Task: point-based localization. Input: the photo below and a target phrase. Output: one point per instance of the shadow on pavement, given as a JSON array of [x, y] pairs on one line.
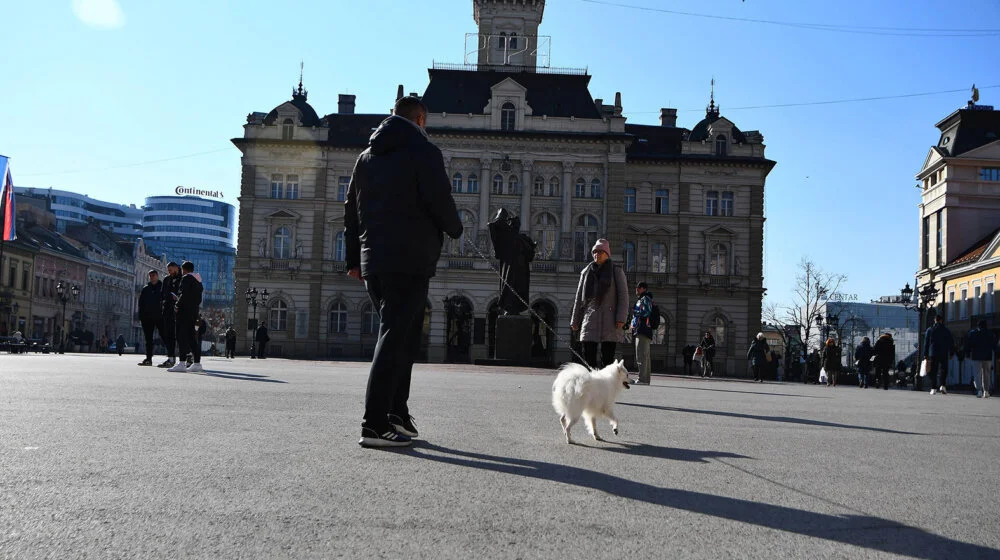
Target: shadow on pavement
[[743, 392], [785, 419], [866, 531], [669, 453], [242, 376]]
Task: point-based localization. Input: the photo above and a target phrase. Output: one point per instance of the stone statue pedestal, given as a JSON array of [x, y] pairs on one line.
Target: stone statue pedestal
[[513, 338]]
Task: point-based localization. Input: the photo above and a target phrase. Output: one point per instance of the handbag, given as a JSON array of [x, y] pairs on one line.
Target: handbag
[[822, 375], [924, 366]]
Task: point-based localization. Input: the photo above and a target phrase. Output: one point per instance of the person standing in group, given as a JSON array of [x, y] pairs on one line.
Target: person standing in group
[[600, 306], [863, 354], [151, 313], [261, 338], [979, 346], [885, 357], [939, 345], [831, 361], [398, 208], [708, 348], [757, 354], [644, 323], [188, 303], [230, 343], [171, 287]]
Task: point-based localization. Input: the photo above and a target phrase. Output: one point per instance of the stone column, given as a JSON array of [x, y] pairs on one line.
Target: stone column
[[484, 192], [567, 197], [526, 185]]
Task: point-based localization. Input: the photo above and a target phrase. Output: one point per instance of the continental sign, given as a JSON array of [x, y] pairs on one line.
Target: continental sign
[[198, 192]]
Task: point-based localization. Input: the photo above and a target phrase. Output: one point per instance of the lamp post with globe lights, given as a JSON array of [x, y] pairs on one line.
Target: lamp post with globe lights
[[65, 292], [925, 296], [252, 296]]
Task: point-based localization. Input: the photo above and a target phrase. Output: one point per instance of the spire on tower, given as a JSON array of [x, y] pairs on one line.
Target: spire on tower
[[712, 110], [300, 92]]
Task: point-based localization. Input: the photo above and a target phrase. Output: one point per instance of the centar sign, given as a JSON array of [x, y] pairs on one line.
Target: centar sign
[[189, 190]]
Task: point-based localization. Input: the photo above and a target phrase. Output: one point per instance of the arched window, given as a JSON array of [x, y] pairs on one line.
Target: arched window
[[369, 320], [720, 145], [546, 231], [585, 237], [554, 186], [282, 243], [661, 333], [513, 186], [629, 249], [502, 43], [658, 258], [718, 329], [292, 187], [287, 128], [498, 184], [473, 183], [277, 185], [338, 318], [539, 186], [338, 247], [508, 116], [718, 265], [513, 40], [581, 188], [279, 316], [595, 189], [456, 183]]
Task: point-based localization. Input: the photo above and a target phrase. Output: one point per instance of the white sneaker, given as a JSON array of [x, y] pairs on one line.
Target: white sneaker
[[933, 391], [179, 367], [195, 368], [942, 390]]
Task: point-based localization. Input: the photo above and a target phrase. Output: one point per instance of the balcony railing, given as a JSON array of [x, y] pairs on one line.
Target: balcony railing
[[719, 281], [460, 264], [543, 266]]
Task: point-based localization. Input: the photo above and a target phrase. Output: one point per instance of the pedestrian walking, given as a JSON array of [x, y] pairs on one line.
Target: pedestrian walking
[[188, 303], [979, 346], [863, 356], [261, 338], [120, 344], [940, 345], [708, 347], [831, 361], [600, 306], [758, 355], [688, 354], [645, 320], [151, 313], [885, 357], [171, 289], [230, 343], [399, 206]]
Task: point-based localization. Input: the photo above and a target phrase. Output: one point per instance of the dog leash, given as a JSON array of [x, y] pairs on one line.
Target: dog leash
[[527, 305]]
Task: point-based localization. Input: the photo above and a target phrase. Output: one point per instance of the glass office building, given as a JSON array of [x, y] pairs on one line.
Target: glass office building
[[72, 208], [200, 230]]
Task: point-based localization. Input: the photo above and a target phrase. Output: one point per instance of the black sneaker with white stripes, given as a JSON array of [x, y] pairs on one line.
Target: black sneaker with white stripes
[[404, 426], [386, 438]]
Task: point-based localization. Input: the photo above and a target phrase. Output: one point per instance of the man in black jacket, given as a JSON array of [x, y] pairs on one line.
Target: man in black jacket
[[398, 206], [171, 289], [188, 302], [151, 313], [939, 345]]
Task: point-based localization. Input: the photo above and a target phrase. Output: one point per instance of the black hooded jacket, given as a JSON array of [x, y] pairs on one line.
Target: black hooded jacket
[[150, 299], [399, 203]]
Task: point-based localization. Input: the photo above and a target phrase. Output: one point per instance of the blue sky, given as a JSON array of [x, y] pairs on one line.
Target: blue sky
[[95, 85]]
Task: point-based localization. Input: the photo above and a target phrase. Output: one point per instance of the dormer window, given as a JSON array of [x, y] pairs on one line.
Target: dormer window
[[286, 129], [720, 145], [502, 42], [508, 116]]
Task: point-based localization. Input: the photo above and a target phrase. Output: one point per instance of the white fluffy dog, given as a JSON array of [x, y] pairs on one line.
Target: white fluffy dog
[[579, 391]]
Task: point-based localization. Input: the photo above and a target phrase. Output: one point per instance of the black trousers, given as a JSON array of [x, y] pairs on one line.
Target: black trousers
[[147, 331], [400, 300], [187, 339], [939, 371], [758, 374], [230, 350], [607, 353], [882, 376], [261, 349], [168, 332]]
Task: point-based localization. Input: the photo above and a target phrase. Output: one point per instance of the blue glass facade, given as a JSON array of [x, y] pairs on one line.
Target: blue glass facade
[[200, 230]]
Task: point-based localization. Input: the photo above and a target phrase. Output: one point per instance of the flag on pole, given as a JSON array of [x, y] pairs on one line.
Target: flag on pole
[[7, 214]]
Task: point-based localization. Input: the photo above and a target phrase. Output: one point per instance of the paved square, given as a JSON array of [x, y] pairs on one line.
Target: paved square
[[103, 459]]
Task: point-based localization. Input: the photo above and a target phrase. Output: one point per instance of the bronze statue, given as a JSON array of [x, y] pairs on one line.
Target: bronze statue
[[514, 251]]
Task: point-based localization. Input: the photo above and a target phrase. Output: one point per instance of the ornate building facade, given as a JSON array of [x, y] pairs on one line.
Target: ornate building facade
[[683, 208]]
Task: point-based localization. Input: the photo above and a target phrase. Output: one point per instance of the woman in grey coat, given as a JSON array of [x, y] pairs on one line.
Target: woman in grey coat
[[601, 306]]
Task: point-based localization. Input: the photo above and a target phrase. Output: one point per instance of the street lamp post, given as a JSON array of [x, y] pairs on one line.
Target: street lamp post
[[65, 292], [252, 295], [925, 296]]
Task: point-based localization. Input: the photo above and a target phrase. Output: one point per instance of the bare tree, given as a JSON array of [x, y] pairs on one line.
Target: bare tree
[[813, 289]]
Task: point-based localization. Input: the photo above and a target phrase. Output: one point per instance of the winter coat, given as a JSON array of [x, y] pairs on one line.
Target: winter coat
[[230, 338], [831, 358], [641, 313], [885, 352], [688, 353], [708, 346], [261, 334], [398, 203], [171, 289], [150, 303], [596, 321], [189, 298], [863, 354], [980, 344], [938, 341], [757, 353]]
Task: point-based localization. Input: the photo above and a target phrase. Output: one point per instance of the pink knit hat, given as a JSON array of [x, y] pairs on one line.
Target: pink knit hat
[[602, 245]]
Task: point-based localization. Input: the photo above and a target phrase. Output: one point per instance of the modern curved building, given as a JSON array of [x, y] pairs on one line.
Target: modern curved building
[[196, 229], [73, 208]]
